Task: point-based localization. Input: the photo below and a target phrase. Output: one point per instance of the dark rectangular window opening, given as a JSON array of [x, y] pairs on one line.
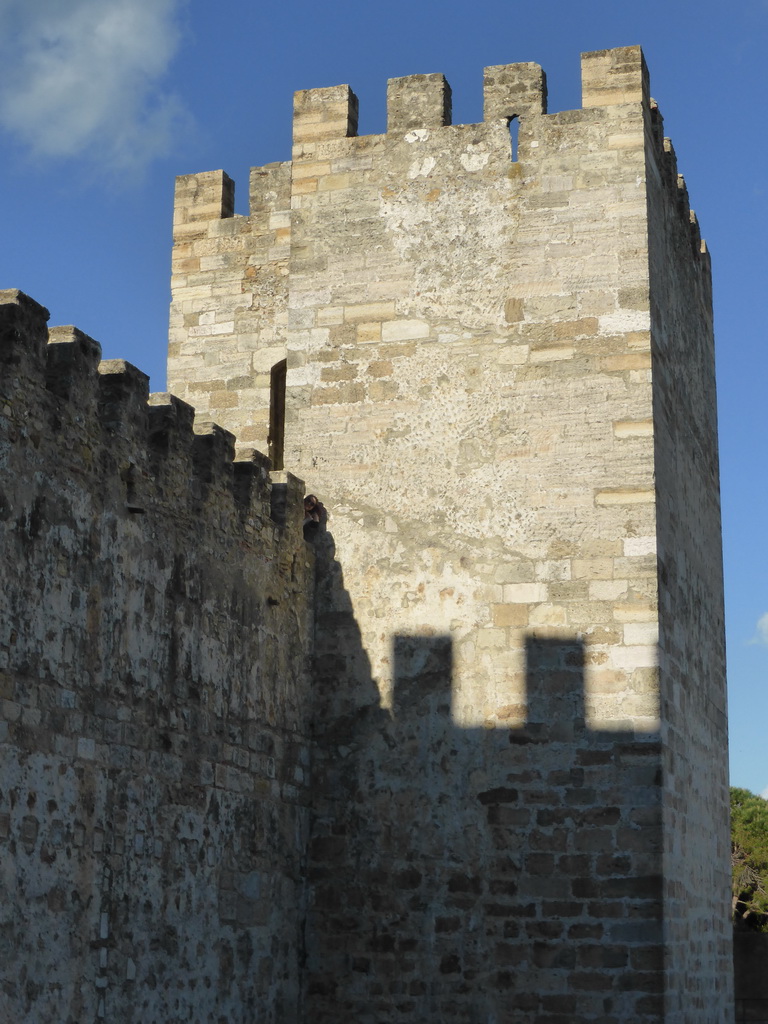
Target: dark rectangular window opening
[[514, 132], [276, 439]]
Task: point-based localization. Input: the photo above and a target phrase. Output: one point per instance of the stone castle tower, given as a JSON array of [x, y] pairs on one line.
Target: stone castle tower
[[500, 381], [478, 776]]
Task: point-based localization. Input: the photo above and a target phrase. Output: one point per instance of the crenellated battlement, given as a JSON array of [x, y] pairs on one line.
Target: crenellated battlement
[[609, 78], [514, 90], [153, 442], [330, 158], [244, 287]]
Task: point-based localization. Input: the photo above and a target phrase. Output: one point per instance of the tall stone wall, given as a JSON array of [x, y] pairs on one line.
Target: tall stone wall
[[697, 875], [154, 754], [228, 318], [519, 682], [474, 353]]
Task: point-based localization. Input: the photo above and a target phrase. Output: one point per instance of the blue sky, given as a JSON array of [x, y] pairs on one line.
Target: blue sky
[[103, 102]]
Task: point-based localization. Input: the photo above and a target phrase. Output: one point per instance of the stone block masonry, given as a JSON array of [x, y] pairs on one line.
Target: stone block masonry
[[155, 635], [461, 760], [500, 380]]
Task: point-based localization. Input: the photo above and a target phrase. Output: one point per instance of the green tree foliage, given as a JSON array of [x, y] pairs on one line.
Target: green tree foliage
[[749, 859]]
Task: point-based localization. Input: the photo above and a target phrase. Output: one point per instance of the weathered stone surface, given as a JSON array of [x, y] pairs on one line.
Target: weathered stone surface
[[500, 382], [154, 751]]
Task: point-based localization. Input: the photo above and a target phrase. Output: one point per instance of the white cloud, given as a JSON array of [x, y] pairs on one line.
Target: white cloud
[[764, 793], [85, 78], [761, 631]]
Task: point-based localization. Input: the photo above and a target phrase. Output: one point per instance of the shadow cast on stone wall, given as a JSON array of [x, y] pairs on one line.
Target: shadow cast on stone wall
[[469, 874]]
